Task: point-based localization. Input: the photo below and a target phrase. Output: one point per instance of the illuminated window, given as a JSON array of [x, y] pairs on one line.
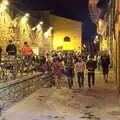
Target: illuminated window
[[67, 39]]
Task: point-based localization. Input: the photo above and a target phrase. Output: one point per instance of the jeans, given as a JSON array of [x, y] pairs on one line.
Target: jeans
[[80, 76], [70, 82], [91, 79]]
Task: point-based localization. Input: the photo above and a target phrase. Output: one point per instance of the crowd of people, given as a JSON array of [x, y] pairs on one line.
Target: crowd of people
[[71, 64], [65, 63]]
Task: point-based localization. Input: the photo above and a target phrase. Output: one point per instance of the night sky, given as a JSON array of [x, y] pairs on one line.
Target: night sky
[[73, 9]]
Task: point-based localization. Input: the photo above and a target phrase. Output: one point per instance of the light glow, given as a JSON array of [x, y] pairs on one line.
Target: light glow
[[25, 30], [84, 46], [6, 33], [104, 45], [2, 8], [96, 37], [102, 25], [46, 34], [5, 2], [95, 42], [27, 14], [41, 22], [33, 28], [50, 28], [24, 19], [39, 28]]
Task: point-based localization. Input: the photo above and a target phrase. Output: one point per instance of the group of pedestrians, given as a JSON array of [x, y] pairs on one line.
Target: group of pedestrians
[[68, 64], [71, 64]]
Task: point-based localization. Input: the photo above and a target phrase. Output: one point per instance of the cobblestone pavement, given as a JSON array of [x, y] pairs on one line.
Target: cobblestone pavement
[[99, 103]]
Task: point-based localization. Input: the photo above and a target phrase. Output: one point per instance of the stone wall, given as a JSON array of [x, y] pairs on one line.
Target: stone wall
[[14, 91]]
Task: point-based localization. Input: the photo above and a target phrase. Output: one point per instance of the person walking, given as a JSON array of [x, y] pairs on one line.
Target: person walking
[[57, 72], [91, 66], [69, 71], [105, 62], [80, 68]]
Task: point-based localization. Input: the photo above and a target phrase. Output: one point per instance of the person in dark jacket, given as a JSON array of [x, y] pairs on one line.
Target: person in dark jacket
[[105, 62], [11, 49], [91, 66]]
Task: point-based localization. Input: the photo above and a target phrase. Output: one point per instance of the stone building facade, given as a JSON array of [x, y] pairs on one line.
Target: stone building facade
[[67, 33]]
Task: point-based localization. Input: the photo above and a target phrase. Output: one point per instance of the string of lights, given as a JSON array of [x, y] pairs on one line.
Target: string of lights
[[20, 20]]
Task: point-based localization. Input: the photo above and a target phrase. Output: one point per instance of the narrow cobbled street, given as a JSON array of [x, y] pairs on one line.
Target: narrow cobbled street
[[99, 103]]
